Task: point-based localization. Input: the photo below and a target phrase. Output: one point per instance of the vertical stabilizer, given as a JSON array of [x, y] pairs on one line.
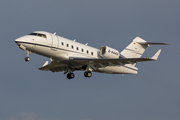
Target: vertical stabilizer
[[134, 49]]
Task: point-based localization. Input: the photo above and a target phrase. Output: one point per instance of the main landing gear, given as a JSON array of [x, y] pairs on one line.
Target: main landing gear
[[87, 74], [70, 75]]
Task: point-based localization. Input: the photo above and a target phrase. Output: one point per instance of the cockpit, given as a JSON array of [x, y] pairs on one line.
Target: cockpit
[[38, 34]]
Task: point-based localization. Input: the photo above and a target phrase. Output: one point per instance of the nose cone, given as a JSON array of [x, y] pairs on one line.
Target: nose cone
[[17, 41], [21, 40]]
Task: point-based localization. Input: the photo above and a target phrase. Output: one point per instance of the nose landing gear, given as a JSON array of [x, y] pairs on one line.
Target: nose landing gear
[[27, 58]]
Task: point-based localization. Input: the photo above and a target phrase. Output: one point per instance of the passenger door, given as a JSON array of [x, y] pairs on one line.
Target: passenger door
[[55, 42]]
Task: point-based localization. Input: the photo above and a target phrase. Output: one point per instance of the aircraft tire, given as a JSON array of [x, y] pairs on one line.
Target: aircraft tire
[[87, 74], [70, 75], [27, 59]]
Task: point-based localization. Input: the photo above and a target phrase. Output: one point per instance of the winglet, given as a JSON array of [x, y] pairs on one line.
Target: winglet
[[155, 57], [46, 63]]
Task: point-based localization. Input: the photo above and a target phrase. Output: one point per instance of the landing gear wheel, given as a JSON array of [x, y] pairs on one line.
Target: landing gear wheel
[[88, 74], [85, 74], [27, 59], [70, 75]]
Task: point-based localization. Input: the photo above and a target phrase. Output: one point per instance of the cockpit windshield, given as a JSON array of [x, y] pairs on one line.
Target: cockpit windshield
[[38, 34]]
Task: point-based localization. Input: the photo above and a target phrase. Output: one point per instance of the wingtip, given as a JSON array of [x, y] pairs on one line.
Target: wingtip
[[46, 63]]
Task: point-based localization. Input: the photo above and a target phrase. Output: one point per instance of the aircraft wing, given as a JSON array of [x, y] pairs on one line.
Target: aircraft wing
[[94, 62], [109, 60], [53, 66], [115, 60]]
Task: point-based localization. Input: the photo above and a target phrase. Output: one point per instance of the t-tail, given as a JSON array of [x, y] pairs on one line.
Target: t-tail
[[137, 47]]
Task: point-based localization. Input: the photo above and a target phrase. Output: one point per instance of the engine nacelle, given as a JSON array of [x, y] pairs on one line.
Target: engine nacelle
[[107, 52]]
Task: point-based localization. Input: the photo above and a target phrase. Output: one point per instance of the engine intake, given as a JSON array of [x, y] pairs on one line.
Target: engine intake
[[107, 52]]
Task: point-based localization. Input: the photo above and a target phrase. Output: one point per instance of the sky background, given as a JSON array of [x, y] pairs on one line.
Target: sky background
[[29, 94]]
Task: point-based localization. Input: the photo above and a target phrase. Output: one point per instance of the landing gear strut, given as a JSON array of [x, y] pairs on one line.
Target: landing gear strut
[[27, 58], [87, 74], [70, 75]]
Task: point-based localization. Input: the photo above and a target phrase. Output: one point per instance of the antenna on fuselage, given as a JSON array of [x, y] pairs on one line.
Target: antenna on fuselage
[[55, 33], [86, 44], [74, 40]]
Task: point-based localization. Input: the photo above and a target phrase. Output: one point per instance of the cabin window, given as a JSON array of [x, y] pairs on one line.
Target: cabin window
[[77, 48], [82, 50], [38, 34], [91, 53], [72, 46], [87, 51], [67, 45], [62, 43]]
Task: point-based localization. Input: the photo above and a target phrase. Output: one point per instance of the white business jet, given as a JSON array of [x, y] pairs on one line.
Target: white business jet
[[69, 56]]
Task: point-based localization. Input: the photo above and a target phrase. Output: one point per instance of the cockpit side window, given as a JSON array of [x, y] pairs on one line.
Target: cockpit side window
[[35, 34], [41, 35], [38, 34]]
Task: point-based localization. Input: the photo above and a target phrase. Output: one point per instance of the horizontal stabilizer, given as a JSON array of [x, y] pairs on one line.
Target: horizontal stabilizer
[[152, 43], [155, 57]]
